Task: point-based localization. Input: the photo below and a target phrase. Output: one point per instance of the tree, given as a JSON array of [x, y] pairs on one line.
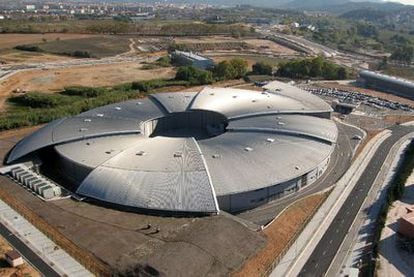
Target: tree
[[232, 69], [194, 75], [342, 74], [404, 54], [262, 68], [240, 67], [315, 67]]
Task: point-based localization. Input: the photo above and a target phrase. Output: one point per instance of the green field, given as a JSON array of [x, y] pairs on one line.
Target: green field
[[403, 72], [273, 61], [97, 46]]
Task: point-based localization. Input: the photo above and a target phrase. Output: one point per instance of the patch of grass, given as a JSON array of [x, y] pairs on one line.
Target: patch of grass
[[99, 47], [403, 72], [36, 108]]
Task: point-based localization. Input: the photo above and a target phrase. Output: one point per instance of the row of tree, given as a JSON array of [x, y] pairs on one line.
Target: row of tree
[[238, 68], [312, 68], [225, 70]]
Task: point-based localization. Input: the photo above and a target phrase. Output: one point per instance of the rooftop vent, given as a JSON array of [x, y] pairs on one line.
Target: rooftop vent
[[178, 154], [141, 153], [254, 101], [211, 94], [83, 129], [234, 96], [215, 156], [297, 167], [248, 149]]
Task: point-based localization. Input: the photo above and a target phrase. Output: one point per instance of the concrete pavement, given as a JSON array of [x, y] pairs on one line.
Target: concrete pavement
[[300, 251], [38, 249], [358, 241], [323, 254]]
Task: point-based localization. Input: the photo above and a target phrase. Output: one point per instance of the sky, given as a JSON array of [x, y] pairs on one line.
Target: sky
[[407, 2]]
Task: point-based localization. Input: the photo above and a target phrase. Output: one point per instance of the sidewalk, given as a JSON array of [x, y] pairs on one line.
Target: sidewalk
[[52, 254], [299, 252]]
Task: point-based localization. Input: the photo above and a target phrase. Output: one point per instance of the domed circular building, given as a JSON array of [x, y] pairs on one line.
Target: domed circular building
[[189, 152]]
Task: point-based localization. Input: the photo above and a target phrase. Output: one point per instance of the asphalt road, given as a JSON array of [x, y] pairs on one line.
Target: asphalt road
[[27, 253], [321, 258], [339, 164]]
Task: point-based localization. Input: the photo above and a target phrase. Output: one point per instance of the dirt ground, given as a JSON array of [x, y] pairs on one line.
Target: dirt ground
[[270, 46], [12, 40], [249, 58], [258, 44], [99, 75], [7, 271], [278, 235], [20, 57]]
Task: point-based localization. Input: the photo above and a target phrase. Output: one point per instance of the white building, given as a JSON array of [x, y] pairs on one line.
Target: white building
[[14, 258], [30, 7]]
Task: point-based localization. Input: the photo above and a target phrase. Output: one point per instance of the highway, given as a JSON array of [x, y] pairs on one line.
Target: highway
[[27, 253], [322, 256]]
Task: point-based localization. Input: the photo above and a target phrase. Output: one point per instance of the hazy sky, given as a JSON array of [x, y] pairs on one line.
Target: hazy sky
[[409, 2]]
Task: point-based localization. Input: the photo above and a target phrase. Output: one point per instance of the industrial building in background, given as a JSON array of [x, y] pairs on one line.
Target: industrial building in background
[[386, 83], [187, 152], [189, 58]]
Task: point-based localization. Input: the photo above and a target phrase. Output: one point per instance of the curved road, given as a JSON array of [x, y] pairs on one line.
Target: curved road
[[322, 256]]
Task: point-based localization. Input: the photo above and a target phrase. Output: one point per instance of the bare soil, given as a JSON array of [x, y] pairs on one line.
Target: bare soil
[[258, 44], [12, 40], [279, 233], [93, 76], [21, 57], [269, 46]]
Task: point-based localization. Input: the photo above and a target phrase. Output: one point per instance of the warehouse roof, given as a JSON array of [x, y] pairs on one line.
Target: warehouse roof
[[388, 78]]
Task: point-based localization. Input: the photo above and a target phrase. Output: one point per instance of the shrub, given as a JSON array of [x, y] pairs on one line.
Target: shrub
[[232, 69], [29, 48], [81, 54], [261, 68], [194, 75], [313, 67], [84, 91], [40, 100]]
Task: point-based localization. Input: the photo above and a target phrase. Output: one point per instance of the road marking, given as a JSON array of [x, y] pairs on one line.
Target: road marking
[[324, 252], [330, 242], [316, 265]]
